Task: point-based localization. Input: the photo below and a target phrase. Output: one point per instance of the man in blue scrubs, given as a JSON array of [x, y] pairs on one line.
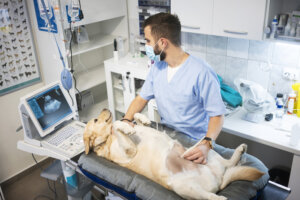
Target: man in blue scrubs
[[186, 89]]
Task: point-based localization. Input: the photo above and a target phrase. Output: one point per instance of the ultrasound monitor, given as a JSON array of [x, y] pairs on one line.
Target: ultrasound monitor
[[48, 108]]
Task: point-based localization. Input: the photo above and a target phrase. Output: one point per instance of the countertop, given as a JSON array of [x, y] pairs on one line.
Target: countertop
[[264, 132]]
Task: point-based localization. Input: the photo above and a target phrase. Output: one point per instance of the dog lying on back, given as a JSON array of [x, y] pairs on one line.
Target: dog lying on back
[[155, 155]]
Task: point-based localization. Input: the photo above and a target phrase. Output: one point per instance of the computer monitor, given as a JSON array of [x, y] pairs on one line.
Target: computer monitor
[[48, 108]]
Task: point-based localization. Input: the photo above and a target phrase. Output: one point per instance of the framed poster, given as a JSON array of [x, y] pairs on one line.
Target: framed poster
[[19, 66]]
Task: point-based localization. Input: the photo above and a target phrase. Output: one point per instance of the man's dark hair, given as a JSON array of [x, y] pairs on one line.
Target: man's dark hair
[[165, 25]]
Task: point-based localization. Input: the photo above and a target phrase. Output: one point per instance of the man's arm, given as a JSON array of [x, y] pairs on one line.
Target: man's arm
[[199, 153], [215, 126], [137, 105]]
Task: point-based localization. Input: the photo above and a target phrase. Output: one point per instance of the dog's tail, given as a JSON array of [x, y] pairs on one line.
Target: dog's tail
[[240, 173]]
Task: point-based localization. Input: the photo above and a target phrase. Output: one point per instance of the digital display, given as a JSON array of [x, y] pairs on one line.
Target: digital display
[[49, 107]]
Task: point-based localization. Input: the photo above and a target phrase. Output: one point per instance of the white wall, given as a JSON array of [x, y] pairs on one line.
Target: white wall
[[12, 160]]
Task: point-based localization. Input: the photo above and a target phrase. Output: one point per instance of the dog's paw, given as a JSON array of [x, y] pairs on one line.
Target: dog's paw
[[242, 148], [124, 128], [141, 119]]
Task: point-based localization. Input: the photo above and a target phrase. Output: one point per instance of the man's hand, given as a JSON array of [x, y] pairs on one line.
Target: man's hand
[[199, 153]]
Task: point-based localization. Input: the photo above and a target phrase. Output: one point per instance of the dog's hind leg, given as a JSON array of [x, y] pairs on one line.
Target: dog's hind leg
[[235, 158], [141, 119], [240, 173]]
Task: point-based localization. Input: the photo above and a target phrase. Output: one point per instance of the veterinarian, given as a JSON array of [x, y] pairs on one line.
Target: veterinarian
[[186, 88]]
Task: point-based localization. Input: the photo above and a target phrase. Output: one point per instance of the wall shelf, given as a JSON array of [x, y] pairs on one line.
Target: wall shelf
[[90, 78], [118, 87], [93, 111], [96, 42], [288, 38]]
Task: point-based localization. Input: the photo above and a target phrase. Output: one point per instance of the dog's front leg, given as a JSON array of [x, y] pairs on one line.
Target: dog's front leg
[[141, 119], [122, 130]]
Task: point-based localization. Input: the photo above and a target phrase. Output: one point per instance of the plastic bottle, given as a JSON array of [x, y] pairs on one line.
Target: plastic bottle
[[298, 30], [116, 53], [296, 88], [131, 43], [279, 104], [121, 49], [287, 28], [274, 28], [295, 136], [293, 28], [70, 176], [291, 103]]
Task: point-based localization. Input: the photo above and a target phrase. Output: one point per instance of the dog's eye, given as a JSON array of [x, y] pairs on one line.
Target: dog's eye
[[108, 117], [95, 120]]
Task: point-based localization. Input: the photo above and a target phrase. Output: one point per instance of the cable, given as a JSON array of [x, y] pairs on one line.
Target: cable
[[71, 97], [80, 13], [36, 162], [72, 70]]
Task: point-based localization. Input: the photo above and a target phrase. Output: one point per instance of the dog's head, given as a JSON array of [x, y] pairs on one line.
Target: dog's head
[[97, 131]]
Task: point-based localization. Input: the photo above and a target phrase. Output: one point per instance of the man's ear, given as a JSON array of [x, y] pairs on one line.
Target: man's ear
[[164, 43]]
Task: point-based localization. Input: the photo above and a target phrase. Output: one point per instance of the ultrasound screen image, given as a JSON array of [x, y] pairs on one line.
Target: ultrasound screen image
[[49, 107]]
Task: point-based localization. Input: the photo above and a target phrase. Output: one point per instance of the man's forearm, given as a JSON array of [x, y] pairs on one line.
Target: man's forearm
[[137, 105], [215, 126]]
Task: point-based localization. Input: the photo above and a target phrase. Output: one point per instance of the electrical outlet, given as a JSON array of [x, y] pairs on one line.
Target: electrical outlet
[[291, 73]]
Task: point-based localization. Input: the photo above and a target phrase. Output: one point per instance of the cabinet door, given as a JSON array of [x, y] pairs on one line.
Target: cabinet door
[[115, 92], [239, 18], [195, 15], [129, 92]]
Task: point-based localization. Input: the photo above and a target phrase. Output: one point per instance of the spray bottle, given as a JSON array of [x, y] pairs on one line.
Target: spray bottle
[[296, 88]]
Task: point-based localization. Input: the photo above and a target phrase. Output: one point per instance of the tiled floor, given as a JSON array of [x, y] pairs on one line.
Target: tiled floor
[[33, 187]]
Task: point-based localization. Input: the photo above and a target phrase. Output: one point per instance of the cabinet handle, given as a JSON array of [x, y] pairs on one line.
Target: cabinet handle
[[129, 81], [190, 27], [123, 85], [236, 32]]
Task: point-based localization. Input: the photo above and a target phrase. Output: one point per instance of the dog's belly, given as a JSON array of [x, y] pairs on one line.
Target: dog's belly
[[158, 158], [152, 150]]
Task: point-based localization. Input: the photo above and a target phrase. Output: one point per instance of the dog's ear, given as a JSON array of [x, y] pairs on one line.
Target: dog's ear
[[87, 144], [87, 136]]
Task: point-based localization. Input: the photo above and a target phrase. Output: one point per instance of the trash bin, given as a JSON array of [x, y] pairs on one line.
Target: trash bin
[[280, 175]]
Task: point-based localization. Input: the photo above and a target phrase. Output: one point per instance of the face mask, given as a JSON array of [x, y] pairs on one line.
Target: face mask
[[150, 52]]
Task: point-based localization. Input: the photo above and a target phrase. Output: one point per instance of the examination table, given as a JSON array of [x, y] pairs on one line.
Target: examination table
[[134, 186]]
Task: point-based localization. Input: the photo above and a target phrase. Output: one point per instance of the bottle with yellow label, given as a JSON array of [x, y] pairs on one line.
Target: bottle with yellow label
[[296, 88]]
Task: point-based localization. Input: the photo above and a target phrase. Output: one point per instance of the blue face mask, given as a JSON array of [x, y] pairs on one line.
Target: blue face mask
[[150, 53]]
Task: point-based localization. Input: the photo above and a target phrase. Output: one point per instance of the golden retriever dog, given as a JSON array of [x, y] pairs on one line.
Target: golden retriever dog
[[155, 155]]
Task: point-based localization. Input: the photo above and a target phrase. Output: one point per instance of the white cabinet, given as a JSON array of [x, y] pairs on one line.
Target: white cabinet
[[239, 18], [124, 80], [230, 18], [196, 16]]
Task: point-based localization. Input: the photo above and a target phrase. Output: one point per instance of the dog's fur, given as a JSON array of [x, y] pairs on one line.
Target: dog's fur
[[155, 155]]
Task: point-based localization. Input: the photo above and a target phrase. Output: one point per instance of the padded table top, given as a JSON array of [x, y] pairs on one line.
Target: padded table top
[[144, 188]]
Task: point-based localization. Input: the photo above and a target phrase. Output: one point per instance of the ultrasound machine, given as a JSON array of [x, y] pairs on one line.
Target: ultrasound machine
[[49, 124]]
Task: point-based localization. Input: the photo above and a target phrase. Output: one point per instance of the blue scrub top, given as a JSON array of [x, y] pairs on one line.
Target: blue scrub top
[[189, 99]]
